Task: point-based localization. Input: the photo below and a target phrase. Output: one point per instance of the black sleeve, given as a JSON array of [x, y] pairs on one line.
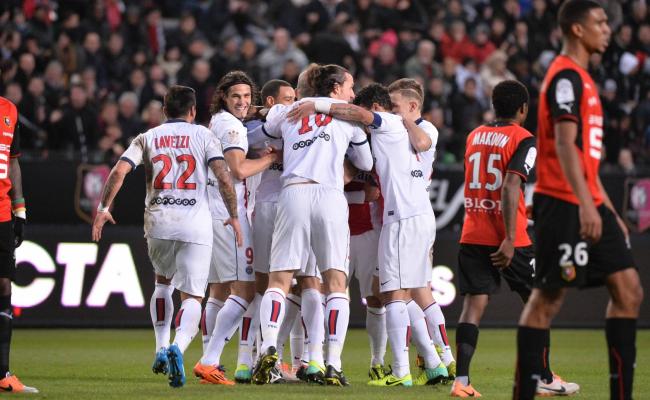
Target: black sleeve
[[523, 160], [564, 94], [14, 150]]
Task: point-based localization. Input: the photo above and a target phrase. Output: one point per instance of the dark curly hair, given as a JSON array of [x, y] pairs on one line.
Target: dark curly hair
[[508, 97], [322, 78], [373, 93], [229, 80]]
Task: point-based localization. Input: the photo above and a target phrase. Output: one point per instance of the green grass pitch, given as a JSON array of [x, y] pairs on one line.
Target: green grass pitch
[[116, 364]]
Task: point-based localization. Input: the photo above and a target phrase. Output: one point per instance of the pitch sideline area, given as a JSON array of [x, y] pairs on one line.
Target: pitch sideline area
[[116, 364]]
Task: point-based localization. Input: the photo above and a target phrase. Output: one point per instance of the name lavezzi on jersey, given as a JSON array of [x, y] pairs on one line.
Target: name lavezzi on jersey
[[175, 156]]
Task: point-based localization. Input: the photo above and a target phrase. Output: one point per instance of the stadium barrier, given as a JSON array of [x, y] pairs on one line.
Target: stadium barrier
[[65, 280]]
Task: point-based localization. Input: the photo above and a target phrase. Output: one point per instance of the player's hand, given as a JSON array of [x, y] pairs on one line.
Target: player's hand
[[234, 222], [503, 256], [277, 153], [19, 231], [529, 211], [591, 225], [300, 111], [98, 224], [371, 191]]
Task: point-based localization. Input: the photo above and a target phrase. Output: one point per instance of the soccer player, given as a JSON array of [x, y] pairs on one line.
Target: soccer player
[[363, 197], [231, 279], [407, 97], [499, 158], [404, 158], [177, 224], [312, 215], [12, 229], [580, 239], [266, 196]]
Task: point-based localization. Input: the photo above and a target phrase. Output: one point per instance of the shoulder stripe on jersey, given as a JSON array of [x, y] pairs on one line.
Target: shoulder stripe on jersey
[[419, 121], [566, 117], [215, 158], [524, 178], [376, 121], [129, 161], [267, 134], [233, 148], [360, 143]]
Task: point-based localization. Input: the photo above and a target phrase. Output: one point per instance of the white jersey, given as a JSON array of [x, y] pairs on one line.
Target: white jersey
[[175, 157], [404, 175], [271, 181], [314, 148], [433, 134], [231, 132]]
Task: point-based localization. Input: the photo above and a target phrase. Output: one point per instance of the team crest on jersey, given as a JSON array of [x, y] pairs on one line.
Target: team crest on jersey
[[7, 121], [232, 137], [568, 272], [90, 181], [636, 206]]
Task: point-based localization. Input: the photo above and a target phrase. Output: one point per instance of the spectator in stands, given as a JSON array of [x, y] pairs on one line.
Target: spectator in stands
[[457, 44], [272, 60], [422, 64], [128, 117], [77, 127], [494, 71], [467, 113], [200, 81]]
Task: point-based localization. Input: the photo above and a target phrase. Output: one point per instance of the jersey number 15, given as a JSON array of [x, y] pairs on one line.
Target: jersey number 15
[[475, 159]]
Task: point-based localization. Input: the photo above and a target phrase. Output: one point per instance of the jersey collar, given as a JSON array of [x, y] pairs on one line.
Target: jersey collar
[[174, 120]]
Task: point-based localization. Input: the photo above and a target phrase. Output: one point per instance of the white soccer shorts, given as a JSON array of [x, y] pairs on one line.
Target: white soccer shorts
[[404, 248], [263, 224], [363, 259], [187, 264], [229, 262], [311, 217]]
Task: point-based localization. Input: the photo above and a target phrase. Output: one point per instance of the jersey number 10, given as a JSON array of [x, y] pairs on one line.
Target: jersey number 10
[[475, 159], [319, 120], [181, 183]]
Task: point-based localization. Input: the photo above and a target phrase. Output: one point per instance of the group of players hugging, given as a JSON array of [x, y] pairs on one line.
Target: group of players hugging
[[273, 208]]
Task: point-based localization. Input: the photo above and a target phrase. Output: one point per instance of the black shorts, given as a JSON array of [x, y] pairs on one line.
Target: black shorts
[[563, 258], [7, 258], [477, 275]]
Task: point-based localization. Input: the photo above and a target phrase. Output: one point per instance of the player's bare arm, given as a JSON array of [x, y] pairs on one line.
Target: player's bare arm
[[417, 136], [590, 221], [111, 188], [509, 203], [16, 195], [608, 203], [229, 196], [343, 111], [241, 167]]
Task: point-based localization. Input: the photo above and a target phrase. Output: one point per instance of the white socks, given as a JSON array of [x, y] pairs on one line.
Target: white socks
[[227, 322], [212, 308], [272, 309], [436, 323], [397, 326], [187, 323], [161, 308], [312, 317], [376, 327], [337, 312], [420, 335], [248, 327], [292, 307], [297, 340]]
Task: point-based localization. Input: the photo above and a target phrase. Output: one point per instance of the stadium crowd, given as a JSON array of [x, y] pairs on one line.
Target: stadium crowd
[[88, 76]]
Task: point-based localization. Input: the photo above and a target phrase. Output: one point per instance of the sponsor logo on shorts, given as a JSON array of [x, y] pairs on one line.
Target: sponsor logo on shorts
[[306, 143], [416, 173], [276, 167], [249, 270], [170, 201]]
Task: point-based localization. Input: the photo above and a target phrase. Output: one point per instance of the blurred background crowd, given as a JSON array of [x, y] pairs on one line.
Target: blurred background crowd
[[88, 76]]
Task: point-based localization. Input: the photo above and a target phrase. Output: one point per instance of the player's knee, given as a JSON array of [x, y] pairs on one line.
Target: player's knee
[[373, 301], [630, 299]]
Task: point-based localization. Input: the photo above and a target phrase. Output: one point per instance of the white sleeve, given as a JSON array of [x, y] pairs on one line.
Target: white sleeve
[[212, 148], [256, 136], [234, 137], [355, 197], [133, 155], [359, 150], [274, 119], [432, 132]]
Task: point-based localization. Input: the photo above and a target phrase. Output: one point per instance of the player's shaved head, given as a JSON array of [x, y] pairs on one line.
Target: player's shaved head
[[373, 94], [179, 101], [508, 97], [574, 12]]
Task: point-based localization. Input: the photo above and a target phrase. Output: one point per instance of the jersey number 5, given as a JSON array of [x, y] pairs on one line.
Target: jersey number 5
[[475, 159], [181, 183]]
